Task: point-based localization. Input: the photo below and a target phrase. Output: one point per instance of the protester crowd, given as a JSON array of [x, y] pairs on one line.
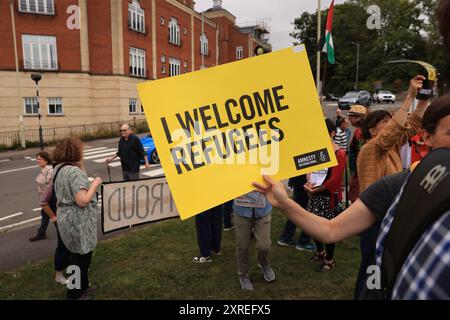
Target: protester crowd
[[380, 191]]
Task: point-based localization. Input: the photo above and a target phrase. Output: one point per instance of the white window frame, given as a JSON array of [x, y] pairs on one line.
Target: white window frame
[[46, 7], [174, 67], [136, 17], [132, 105], [240, 53], [174, 32], [204, 45], [137, 62], [56, 102], [33, 101], [39, 52]]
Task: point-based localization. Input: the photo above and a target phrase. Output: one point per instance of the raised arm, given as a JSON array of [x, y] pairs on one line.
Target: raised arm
[[352, 221]]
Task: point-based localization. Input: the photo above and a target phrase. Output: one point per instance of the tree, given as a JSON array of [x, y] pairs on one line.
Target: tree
[[405, 33]]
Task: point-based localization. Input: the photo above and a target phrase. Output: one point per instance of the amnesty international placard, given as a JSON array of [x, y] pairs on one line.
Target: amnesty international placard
[[217, 130], [130, 203]]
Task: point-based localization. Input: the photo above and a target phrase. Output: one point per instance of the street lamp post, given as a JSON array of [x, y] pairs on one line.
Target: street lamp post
[[357, 64], [36, 77]]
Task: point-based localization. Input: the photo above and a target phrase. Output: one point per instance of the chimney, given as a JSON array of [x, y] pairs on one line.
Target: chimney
[[217, 4]]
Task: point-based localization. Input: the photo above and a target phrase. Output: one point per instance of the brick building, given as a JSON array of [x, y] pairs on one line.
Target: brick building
[[92, 53]]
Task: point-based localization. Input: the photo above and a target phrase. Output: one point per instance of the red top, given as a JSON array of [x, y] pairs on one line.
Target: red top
[[334, 181], [418, 151]]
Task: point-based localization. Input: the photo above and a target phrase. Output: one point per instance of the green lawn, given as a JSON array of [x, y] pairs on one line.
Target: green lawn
[[155, 262]]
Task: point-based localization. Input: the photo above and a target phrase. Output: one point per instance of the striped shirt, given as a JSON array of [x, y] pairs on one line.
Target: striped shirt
[[341, 138]]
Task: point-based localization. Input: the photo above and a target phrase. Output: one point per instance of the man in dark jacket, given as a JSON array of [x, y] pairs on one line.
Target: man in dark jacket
[[131, 152]]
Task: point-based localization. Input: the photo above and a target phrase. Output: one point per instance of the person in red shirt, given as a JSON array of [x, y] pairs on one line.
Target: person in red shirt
[[418, 148], [326, 201]]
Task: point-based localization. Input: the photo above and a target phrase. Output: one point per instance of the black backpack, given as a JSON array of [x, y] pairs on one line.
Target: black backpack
[[53, 199], [426, 197]]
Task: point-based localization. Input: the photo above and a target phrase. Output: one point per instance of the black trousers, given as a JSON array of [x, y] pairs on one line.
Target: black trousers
[[209, 230], [83, 261], [62, 255]]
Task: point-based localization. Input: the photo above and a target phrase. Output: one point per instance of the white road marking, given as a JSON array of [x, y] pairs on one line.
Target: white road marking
[[36, 209], [98, 152], [154, 173], [100, 155], [5, 160], [19, 223], [13, 170], [11, 216], [95, 149]]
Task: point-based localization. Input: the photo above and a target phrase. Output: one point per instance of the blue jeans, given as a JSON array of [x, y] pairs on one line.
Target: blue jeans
[[227, 210], [300, 197], [209, 230]]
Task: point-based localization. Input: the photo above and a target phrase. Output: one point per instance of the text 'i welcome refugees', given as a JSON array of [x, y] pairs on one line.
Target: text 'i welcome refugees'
[[222, 142]]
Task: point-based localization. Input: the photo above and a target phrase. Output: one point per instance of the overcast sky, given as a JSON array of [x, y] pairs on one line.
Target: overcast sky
[[280, 14]]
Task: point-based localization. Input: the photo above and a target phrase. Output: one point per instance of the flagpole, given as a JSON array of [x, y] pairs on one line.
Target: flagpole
[[318, 50]]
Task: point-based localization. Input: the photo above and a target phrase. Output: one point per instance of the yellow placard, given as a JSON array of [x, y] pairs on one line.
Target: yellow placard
[[217, 130]]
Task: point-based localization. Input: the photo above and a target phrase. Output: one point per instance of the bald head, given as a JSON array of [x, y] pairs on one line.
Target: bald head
[[125, 130]]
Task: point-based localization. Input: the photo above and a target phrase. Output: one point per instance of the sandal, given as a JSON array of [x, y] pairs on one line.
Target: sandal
[[318, 256], [326, 266], [202, 259]]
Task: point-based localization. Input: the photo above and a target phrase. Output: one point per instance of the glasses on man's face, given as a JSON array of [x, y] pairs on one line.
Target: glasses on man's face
[[123, 130]]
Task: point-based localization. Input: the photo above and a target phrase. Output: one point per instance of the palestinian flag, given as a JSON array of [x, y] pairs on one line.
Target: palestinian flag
[[326, 43]]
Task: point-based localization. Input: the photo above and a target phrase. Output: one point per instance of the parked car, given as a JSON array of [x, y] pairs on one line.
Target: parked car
[[355, 97], [383, 96], [150, 149]]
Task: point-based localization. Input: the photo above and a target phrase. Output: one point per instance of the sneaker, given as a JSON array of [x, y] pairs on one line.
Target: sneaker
[[37, 238], [268, 273], [311, 247], [246, 284], [59, 278], [202, 259], [216, 252], [228, 228], [284, 243]]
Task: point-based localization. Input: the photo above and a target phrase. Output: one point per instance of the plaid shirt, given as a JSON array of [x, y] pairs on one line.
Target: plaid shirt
[[425, 275]]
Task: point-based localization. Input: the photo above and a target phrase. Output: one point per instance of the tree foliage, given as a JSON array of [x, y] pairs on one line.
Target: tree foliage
[[408, 31]]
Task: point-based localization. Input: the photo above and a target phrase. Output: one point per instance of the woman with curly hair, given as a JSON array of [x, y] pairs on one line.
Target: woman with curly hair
[[76, 208]]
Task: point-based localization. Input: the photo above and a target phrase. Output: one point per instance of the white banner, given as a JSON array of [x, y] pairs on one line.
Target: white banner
[[125, 204]]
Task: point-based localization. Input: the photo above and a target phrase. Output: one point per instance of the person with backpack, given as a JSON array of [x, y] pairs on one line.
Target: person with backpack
[[427, 261], [76, 208], [61, 260]]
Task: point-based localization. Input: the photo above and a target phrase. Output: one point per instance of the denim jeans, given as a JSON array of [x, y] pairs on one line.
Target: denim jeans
[[209, 230], [44, 224]]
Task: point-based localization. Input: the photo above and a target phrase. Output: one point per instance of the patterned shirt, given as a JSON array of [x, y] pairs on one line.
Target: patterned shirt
[[43, 179], [425, 275], [77, 226]]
